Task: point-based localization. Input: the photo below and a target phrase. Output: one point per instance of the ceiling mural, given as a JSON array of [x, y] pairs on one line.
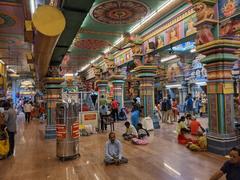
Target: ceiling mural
[[11, 19], [13, 41], [12, 1], [105, 23], [91, 44], [119, 12], [6, 21], [13, 49]]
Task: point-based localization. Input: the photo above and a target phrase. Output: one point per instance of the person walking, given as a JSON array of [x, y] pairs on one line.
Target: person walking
[[10, 118], [164, 109], [169, 112], [114, 105], [175, 110], [189, 104], [27, 110]]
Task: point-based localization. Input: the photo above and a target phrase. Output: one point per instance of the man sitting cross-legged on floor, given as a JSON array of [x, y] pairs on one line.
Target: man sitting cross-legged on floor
[[131, 131], [113, 151]]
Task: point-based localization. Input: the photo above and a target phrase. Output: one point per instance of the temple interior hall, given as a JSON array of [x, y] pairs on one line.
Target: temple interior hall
[[120, 89]]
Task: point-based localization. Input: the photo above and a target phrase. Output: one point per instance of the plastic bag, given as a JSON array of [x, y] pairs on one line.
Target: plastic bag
[[4, 146]]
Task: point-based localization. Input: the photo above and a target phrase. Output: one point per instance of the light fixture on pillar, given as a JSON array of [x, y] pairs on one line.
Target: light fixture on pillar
[[2, 62], [173, 86], [32, 6], [193, 50], [169, 58]]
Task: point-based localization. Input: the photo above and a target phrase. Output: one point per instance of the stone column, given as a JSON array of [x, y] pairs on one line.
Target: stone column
[[181, 100], [15, 89], [219, 61], [147, 74], [53, 95], [118, 87], [102, 88], [135, 87]]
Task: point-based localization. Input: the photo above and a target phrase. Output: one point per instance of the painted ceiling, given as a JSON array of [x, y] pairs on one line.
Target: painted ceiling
[[13, 49], [106, 21]]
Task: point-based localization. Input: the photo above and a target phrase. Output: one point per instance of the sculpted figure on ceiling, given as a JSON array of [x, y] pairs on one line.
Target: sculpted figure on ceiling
[[203, 11]]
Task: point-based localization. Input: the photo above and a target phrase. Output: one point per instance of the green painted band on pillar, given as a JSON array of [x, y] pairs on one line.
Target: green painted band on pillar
[[118, 81], [102, 85], [219, 57], [209, 110], [221, 113], [146, 75], [54, 86]]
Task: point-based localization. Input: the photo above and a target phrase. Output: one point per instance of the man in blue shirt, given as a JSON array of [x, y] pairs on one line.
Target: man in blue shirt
[[113, 151], [231, 167]]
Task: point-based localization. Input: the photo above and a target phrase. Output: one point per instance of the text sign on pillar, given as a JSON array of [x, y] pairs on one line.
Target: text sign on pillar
[[75, 130], [61, 131]]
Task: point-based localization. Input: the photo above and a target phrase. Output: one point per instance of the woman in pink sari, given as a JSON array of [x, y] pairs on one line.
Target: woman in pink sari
[[142, 136]]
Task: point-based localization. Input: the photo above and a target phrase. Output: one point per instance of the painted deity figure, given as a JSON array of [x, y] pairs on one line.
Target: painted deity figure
[[191, 28], [203, 11], [173, 35], [204, 35], [160, 42], [229, 8]]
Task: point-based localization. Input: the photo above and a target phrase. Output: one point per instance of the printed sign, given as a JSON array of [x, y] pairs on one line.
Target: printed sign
[[90, 117], [75, 130], [61, 131]]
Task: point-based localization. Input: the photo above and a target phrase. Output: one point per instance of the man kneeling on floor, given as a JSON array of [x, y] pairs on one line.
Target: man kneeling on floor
[[131, 131], [113, 151]]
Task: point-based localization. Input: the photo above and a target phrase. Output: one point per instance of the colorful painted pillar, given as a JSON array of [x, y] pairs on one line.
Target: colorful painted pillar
[[135, 85], [236, 73], [102, 86], [147, 74], [53, 89], [219, 60], [15, 89], [118, 87], [163, 79]]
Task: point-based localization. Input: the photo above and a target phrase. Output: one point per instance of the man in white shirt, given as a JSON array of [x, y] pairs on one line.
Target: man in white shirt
[[113, 151], [27, 109], [131, 131]]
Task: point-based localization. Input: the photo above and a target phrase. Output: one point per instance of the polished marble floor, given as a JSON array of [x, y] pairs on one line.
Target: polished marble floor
[[162, 159]]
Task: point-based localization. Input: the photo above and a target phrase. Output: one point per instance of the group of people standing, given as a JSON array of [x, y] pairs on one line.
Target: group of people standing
[[112, 110], [168, 108], [195, 106]]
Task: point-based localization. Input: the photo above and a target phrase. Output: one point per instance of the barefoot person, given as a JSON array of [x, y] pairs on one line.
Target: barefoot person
[[113, 151], [131, 131]]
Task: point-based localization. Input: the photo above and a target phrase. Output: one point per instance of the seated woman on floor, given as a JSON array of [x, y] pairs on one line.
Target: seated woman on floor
[[142, 136], [195, 127], [199, 145], [181, 125], [182, 139], [131, 131]]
